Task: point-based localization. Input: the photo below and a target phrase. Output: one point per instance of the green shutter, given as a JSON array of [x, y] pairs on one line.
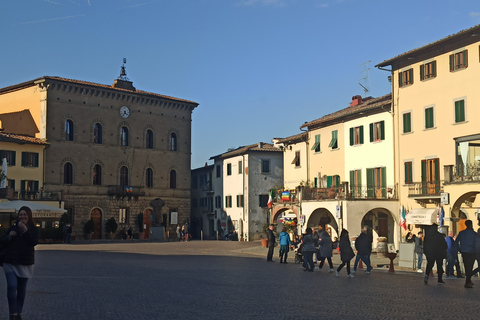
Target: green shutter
[[13, 159], [352, 180], [352, 141], [434, 68], [370, 183], [315, 182], [407, 123], [465, 58], [437, 175], [329, 181], [424, 176], [422, 72], [382, 130], [384, 182], [452, 62], [400, 84], [459, 111], [411, 75], [361, 134], [337, 181], [371, 132]]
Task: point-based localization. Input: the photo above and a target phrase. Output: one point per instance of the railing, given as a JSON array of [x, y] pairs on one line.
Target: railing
[[468, 172], [286, 196], [417, 189], [322, 193], [122, 191], [371, 192]]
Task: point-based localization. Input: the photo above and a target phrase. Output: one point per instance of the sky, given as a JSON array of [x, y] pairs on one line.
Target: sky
[[259, 69]]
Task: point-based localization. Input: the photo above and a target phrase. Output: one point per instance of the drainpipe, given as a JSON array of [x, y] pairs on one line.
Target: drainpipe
[[308, 171]]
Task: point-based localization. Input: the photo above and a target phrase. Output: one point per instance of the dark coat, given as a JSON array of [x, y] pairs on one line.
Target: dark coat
[[363, 243], [271, 238], [434, 245], [325, 245], [346, 251], [20, 249]]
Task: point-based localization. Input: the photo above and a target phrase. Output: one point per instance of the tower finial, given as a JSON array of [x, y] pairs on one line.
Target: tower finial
[[123, 71]]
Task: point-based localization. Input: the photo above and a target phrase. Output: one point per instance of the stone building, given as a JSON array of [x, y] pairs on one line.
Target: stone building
[[112, 149]]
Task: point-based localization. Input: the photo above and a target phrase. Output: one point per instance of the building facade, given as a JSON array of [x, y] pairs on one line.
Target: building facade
[[112, 149]]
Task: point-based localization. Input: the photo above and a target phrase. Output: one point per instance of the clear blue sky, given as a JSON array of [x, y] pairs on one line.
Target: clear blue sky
[[258, 68]]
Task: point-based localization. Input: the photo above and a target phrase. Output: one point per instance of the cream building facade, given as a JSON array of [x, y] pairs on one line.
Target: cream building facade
[[113, 149], [435, 96]]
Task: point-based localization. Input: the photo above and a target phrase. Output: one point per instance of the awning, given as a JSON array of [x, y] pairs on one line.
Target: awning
[[39, 210], [422, 216]]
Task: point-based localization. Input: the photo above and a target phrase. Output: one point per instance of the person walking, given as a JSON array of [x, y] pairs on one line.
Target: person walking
[[435, 249], [179, 233], [326, 250], [468, 243], [19, 240], [363, 244], [308, 250], [285, 243], [270, 243], [346, 253], [419, 251], [452, 253]]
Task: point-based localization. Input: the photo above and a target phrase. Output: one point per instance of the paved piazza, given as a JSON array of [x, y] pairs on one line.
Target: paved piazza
[[222, 280]]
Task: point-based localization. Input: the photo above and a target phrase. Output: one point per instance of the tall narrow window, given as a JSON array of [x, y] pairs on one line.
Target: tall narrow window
[[149, 139], [296, 160], [407, 122], [123, 176], [124, 136], [334, 142], [173, 141], [68, 173], [69, 130], [459, 111], [9, 155], [240, 167], [173, 179], [149, 178], [377, 131], [229, 169], [97, 133], [429, 118], [408, 166], [265, 166], [316, 145], [97, 175], [405, 78], [356, 183], [356, 136]]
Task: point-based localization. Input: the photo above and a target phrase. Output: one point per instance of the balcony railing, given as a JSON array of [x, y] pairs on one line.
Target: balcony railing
[[425, 189], [285, 196], [467, 173], [122, 191], [322, 193], [372, 192]]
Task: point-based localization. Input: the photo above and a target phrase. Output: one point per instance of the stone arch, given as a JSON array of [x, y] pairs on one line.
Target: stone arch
[[381, 221], [69, 117], [458, 212], [323, 217]]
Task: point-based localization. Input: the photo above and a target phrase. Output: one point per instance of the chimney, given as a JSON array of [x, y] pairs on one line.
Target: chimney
[[356, 100], [260, 145]]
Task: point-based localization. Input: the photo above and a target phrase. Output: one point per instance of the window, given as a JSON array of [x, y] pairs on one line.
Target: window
[[376, 183], [123, 176], [149, 178], [428, 70], [240, 167], [296, 160], [173, 179], [459, 60], [97, 133], [11, 184], [228, 201], [429, 118], [334, 142], [377, 131], [29, 187], [405, 78], [265, 166], [333, 181], [10, 155], [29, 159], [240, 200], [203, 182], [122, 215], [262, 200], [124, 136], [173, 141], [229, 169], [431, 176], [69, 130], [68, 173], [356, 183], [356, 136], [97, 175], [218, 201], [149, 139], [218, 171], [407, 122], [459, 111], [316, 145], [408, 167]]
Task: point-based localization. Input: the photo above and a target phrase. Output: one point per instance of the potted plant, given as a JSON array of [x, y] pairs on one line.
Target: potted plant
[[141, 235], [264, 239], [89, 227], [111, 227]]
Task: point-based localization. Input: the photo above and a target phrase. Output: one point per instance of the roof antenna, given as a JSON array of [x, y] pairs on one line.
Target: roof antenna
[[365, 77], [123, 72]]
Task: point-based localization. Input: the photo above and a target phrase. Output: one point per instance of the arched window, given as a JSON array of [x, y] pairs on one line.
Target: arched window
[[97, 175], [69, 130], [124, 176], [149, 178], [173, 179], [173, 141], [97, 133], [124, 136], [149, 139], [68, 173]]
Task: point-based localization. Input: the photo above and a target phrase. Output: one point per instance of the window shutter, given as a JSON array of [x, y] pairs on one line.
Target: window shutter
[[352, 178], [329, 181], [452, 62], [400, 79], [351, 137], [434, 68], [406, 172], [22, 185], [36, 160], [424, 171], [315, 182], [422, 72], [384, 182], [24, 158], [361, 134], [411, 75], [382, 130], [465, 58], [462, 110], [337, 181], [35, 186], [370, 183], [12, 161], [371, 132]]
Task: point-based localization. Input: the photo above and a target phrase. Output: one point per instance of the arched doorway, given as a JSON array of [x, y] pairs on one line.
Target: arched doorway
[[96, 216], [381, 222], [286, 218], [323, 217], [464, 208], [147, 222]]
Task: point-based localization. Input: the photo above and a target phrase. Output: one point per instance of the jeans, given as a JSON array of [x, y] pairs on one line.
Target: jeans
[[450, 264], [344, 263], [308, 260], [16, 290], [430, 263], [365, 258], [322, 261], [271, 247], [419, 259], [468, 261]]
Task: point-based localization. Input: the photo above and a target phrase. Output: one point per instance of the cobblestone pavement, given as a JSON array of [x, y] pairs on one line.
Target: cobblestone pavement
[[222, 280]]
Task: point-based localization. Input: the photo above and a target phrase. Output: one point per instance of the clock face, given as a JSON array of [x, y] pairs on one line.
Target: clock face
[[124, 112]]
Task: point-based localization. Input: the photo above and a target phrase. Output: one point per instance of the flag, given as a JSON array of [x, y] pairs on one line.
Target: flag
[[442, 216], [403, 221], [270, 199]]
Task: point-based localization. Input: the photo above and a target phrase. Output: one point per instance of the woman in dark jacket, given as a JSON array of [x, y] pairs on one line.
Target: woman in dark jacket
[[346, 253], [435, 249], [308, 250], [20, 240]]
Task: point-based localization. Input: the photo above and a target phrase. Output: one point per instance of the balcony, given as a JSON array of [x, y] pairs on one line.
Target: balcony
[[286, 197], [321, 194], [122, 191], [425, 192], [463, 173], [372, 193]]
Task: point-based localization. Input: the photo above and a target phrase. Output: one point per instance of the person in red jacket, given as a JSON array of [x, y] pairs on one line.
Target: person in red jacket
[[19, 241]]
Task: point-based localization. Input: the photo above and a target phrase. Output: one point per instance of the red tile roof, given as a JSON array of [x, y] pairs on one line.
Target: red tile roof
[[16, 138]]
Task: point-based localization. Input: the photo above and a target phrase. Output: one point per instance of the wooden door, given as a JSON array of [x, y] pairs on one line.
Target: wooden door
[[383, 228], [96, 215], [147, 222]]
